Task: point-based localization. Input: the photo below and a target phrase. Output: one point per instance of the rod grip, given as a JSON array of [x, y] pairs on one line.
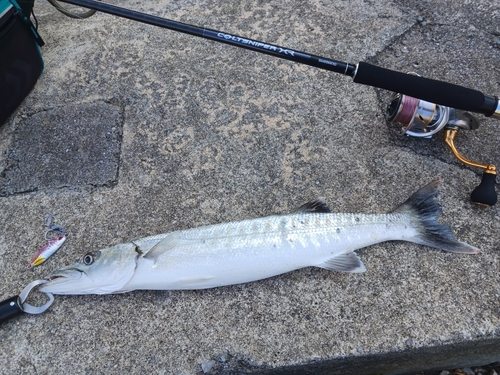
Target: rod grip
[[9, 309], [427, 89]]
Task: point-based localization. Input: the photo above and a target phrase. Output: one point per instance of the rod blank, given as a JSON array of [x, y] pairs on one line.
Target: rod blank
[[434, 91]]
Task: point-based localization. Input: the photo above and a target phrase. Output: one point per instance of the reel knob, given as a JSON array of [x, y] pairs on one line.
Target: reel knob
[[485, 193]]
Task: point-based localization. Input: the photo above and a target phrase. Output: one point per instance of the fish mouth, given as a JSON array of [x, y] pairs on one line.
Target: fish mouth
[[68, 273], [60, 281], [52, 277]]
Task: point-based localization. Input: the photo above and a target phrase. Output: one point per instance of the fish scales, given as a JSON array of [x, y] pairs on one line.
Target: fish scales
[[254, 249], [303, 229]]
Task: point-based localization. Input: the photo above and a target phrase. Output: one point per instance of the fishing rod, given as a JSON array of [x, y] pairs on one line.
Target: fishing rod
[[420, 106]]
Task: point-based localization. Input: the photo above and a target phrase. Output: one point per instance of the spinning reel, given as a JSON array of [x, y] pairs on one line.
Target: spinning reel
[[423, 119]]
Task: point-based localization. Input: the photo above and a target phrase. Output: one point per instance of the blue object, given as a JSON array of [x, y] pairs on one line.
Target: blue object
[[21, 62]]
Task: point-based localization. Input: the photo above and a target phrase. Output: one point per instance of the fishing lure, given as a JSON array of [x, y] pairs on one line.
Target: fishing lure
[[45, 252], [51, 246]]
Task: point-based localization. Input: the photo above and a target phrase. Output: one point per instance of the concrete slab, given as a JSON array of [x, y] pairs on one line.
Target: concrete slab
[[50, 152], [206, 133]]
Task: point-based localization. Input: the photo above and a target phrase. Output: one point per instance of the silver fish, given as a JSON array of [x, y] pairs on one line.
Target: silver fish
[[249, 250]]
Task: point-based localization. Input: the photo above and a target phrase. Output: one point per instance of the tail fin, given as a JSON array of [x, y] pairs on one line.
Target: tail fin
[[424, 208]]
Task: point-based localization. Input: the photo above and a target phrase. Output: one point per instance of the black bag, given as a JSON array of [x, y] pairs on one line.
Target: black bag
[[21, 62]]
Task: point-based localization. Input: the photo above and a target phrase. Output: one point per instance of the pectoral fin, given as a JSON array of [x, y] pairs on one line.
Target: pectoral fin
[[349, 262], [162, 247]]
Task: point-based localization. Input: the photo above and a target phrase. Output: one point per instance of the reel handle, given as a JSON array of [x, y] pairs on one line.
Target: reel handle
[[485, 193], [439, 92]]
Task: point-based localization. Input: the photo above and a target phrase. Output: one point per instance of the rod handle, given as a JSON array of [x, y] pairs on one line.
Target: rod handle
[[9, 309], [427, 89]]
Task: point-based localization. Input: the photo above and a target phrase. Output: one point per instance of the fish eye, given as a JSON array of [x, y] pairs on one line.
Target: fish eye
[[88, 259]]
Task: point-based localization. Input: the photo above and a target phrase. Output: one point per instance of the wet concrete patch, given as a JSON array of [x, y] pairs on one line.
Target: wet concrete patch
[[70, 146]]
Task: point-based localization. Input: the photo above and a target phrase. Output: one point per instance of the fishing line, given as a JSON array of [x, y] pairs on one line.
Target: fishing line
[[406, 110], [66, 12]]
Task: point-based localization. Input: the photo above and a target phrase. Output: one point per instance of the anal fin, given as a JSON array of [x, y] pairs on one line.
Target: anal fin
[[349, 262]]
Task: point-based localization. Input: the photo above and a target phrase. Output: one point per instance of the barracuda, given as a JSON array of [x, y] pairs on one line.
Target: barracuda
[[249, 250]]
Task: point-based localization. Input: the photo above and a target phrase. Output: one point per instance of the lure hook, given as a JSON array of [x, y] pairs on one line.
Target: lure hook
[[56, 229], [53, 228]]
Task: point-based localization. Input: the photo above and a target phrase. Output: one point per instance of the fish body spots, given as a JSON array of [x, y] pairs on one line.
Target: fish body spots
[[356, 219], [338, 230]]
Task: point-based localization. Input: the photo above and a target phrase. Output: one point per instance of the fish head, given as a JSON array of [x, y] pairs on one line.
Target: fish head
[[102, 272]]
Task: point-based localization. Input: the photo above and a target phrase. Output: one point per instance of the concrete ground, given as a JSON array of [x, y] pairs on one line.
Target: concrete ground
[[133, 130]]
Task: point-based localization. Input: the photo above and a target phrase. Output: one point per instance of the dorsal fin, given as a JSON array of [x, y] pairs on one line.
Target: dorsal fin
[[317, 205]]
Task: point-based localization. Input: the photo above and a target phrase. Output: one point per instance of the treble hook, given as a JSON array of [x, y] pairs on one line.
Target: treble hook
[[53, 228], [16, 305]]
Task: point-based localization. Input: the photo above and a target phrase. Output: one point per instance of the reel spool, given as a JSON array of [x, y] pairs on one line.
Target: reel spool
[[423, 119]]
